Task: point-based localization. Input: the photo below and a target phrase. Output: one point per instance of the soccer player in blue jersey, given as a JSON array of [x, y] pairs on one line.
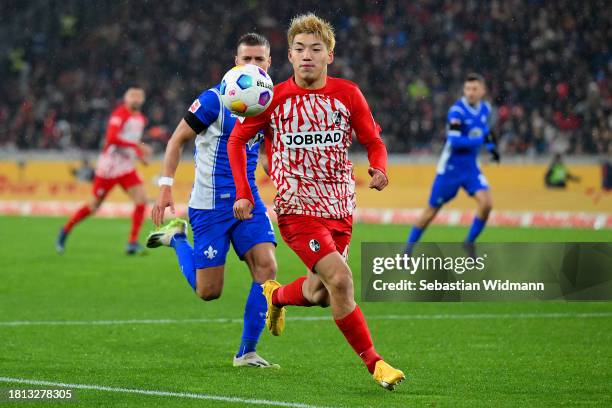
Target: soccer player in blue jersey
[[467, 131], [211, 207]]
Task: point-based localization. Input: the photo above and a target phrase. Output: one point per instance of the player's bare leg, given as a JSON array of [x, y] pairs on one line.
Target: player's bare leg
[[262, 264], [304, 291], [87, 209], [338, 279], [484, 200], [426, 217], [315, 291], [139, 197], [209, 282]]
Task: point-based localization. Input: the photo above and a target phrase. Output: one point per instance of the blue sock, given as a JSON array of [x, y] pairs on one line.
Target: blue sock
[[415, 234], [254, 319], [475, 230], [186, 260]]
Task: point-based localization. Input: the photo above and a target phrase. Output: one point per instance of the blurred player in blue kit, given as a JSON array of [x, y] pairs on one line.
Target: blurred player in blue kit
[[467, 131], [211, 207]]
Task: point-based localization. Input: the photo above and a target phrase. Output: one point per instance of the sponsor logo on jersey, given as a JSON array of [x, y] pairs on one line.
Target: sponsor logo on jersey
[[195, 106], [298, 140], [255, 139]]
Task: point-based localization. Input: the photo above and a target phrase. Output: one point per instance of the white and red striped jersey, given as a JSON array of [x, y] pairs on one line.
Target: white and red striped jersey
[[123, 134], [308, 134]]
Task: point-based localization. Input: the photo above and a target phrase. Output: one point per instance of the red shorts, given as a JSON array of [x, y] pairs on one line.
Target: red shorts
[[312, 238], [102, 186]]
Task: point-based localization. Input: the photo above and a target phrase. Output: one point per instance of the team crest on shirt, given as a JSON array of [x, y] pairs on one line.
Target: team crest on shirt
[[314, 245], [337, 118], [195, 106], [255, 139], [475, 132]]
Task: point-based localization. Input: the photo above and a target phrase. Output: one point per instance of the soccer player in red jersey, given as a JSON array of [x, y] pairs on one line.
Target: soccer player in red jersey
[[116, 165], [309, 128]]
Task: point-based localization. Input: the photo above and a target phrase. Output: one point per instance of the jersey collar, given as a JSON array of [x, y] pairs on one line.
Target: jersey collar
[[469, 107]]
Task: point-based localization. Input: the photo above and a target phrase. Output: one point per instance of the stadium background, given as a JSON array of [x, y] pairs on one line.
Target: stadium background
[[547, 65]]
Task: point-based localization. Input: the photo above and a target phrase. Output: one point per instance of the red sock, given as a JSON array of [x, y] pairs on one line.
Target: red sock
[[290, 294], [137, 217], [78, 216], [355, 329]]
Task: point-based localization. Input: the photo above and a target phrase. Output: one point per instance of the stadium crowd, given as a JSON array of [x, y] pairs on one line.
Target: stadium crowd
[[548, 65]]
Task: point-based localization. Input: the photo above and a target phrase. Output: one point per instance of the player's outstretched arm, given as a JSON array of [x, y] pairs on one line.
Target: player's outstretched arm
[[458, 142], [368, 134], [236, 152], [172, 157]]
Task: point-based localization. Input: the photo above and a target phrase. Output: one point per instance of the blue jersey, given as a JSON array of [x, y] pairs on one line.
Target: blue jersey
[[214, 187], [467, 127]]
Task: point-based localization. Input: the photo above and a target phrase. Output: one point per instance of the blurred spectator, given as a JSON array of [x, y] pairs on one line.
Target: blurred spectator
[[548, 65], [558, 174]]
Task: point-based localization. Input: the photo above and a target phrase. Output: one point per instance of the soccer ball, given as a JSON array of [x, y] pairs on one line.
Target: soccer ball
[[246, 90]]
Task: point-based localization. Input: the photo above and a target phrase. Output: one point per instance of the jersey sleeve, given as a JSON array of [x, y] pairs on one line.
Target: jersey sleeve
[[368, 131], [236, 151], [203, 111], [454, 121]]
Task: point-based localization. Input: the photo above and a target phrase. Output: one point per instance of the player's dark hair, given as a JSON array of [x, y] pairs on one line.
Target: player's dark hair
[[473, 76], [253, 39]]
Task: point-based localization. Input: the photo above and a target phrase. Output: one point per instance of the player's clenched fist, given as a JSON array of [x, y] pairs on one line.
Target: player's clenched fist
[[379, 180], [243, 209], [164, 199]]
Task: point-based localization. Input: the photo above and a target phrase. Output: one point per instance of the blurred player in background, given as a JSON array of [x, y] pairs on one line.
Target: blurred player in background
[[210, 207], [309, 125], [467, 130], [117, 165]]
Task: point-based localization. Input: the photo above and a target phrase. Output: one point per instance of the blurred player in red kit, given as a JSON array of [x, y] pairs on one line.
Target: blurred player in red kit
[[309, 128], [117, 165]]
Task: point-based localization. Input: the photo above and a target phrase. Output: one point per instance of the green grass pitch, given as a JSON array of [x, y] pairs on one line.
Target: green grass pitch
[[533, 354]]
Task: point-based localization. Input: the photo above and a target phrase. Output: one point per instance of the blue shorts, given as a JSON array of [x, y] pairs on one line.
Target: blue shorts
[[446, 185], [214, 229]]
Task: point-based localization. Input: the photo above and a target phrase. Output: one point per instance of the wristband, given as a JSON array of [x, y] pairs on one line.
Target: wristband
[[165, 181]]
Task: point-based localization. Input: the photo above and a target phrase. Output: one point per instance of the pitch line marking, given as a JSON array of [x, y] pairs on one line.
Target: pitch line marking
[[158, 393], [455, 316]]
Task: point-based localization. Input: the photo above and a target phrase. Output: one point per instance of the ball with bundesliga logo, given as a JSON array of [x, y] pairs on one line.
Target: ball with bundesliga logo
[[246, 90]]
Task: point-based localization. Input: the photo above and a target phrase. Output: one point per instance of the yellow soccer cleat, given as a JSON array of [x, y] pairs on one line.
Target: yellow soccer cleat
[[387, 376], [275, 316]]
